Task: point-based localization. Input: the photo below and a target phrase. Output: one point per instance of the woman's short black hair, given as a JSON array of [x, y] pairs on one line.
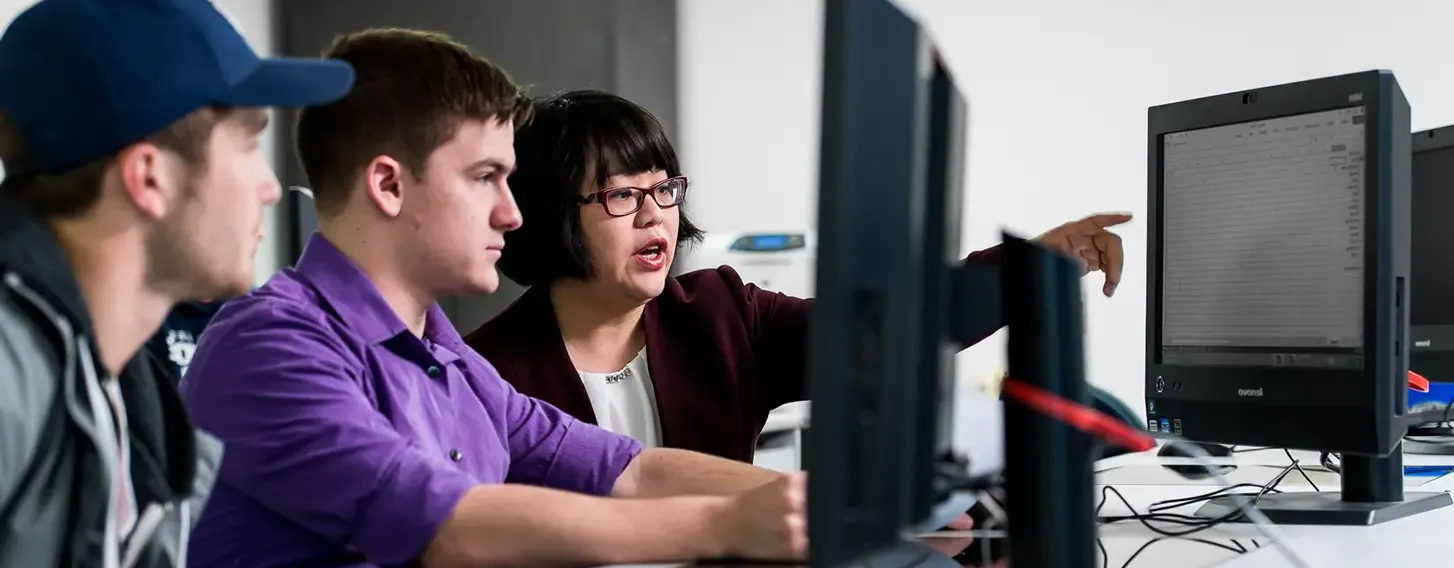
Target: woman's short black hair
[[577, 139]]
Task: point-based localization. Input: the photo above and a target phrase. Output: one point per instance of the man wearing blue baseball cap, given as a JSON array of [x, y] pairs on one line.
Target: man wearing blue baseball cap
[[129, 139]]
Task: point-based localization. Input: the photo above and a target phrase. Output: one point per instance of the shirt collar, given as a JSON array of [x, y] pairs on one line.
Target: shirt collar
[[356, 300]]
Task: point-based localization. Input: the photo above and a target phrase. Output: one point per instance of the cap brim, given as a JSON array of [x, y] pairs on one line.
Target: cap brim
[[288, 82]]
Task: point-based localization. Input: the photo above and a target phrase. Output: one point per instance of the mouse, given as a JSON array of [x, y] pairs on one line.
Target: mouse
[[1196, 471]]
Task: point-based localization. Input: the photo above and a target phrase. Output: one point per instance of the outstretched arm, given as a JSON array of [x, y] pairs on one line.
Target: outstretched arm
[[779, 325]]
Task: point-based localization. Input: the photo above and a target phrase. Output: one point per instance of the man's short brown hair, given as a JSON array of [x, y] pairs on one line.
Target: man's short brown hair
[[71, 194], [412, 89]]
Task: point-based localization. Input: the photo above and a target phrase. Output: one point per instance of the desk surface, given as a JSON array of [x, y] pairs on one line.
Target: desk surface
[[790, 416], [1413, 541]]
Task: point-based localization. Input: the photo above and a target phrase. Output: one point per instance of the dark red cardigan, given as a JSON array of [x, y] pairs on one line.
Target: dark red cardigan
[[722, 354]]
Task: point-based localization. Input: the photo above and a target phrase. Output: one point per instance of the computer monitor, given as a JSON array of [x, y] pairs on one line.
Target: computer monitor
[[1048, 463], [881, 351], [1431, 270], [1431, 304], [1278, 263], [894, 304]]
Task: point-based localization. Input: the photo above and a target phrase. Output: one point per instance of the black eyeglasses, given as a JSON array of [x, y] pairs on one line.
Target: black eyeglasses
[[623, 201]]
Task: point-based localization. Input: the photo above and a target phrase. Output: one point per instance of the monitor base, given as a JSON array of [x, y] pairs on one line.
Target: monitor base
[[904, 554], [1326, 508], [1442, 445]]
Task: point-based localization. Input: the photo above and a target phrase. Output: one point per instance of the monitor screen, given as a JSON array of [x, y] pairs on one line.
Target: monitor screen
[[1263, 248], [1431, 276]]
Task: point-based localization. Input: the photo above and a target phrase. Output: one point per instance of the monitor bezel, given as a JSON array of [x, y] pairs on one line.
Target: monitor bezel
[[1293, 406]]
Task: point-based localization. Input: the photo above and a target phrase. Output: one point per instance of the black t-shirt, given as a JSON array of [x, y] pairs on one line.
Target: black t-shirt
[[175, 342]]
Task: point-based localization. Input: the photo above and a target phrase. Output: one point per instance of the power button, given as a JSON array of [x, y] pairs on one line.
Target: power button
[[1160, 384]]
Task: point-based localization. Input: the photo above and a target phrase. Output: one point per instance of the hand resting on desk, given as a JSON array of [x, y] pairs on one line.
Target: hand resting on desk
[[767, 523], [771, 523]]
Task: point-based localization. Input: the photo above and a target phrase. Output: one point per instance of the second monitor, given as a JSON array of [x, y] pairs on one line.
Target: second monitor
[[1431, 317], [1278, 283]]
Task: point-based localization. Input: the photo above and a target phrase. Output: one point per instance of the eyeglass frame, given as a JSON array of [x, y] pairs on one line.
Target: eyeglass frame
[[639, 192]]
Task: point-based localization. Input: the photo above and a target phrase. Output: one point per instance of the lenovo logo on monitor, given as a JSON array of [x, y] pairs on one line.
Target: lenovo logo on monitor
[[1250, 392]]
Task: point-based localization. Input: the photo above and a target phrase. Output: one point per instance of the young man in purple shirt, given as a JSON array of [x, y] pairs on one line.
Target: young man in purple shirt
[[360, 430]]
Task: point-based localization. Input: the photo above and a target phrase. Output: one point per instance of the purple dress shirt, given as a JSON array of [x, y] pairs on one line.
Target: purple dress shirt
[[348, 439]]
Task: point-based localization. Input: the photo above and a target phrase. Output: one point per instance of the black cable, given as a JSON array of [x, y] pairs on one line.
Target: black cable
[[1300, 469], [1169, 504], [1155, 513], [1200, 540], [1194, 524]]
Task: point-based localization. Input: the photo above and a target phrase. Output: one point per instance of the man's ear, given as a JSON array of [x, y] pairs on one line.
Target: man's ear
[[151, 178], [385, 177]]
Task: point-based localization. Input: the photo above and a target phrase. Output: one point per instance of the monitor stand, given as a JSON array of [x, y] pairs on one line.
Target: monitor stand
[[1373, 493]]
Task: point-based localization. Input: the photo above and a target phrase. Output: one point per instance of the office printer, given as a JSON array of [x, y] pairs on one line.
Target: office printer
[[780, 261]]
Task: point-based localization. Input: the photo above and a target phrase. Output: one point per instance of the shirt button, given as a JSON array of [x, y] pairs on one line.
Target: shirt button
[[434, 371], [455, 455]]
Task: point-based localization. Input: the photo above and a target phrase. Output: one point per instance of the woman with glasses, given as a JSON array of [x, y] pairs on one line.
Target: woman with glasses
[[606, 334]]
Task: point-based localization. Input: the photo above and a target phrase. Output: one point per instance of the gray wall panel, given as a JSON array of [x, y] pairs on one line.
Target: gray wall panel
[[624, 46]]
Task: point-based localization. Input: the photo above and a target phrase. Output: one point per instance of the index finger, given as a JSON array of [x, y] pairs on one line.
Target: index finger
[[1113, 259], [1104, 220]]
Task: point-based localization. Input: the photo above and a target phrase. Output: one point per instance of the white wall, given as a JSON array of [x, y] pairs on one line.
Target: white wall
[[750, 78], [255, 19], [1058, 92]]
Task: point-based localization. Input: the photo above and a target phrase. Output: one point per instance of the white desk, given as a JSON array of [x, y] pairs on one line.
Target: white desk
[[780, 447], [1412, 541], [1406, 543]]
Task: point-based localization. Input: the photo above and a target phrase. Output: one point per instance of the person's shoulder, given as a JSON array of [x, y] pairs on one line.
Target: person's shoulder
[[709, 292], [283, 301], [706, 285], [720, 293], [30, 365], [27, 351], [274, 335], [283, 317]]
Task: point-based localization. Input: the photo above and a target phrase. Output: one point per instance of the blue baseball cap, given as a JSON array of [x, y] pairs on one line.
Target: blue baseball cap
[[83, 79]]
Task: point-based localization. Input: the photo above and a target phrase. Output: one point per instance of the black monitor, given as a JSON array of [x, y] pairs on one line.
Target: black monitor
[[1431, 271], [881, 353], [894, 304], [1278, 262]]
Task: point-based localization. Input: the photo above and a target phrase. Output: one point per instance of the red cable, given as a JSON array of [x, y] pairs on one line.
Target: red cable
[[1418, 383], [1083, 418]]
